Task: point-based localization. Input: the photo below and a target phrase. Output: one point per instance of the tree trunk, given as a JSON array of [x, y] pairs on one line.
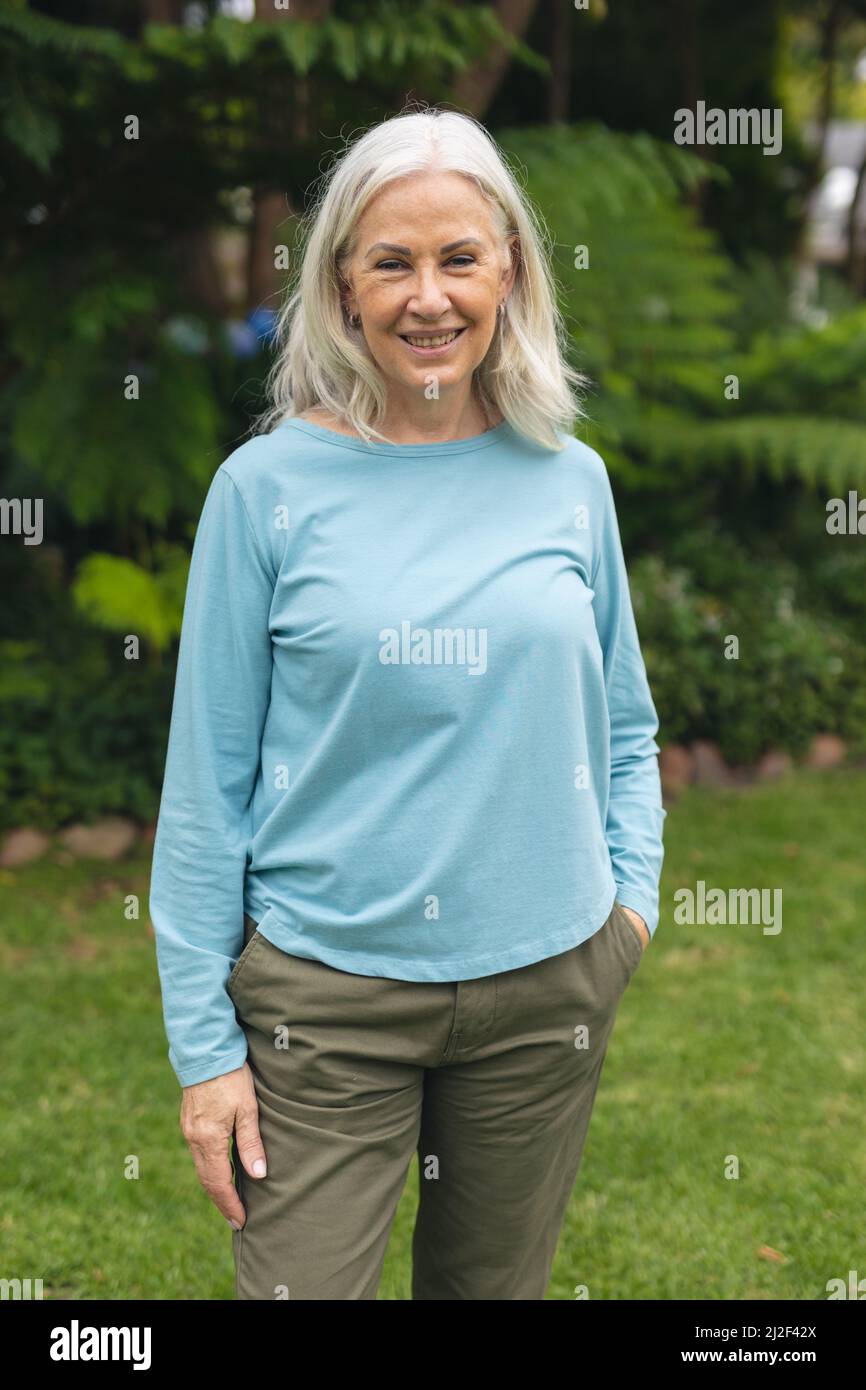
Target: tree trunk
[[200, 272], [830, 27], [271, 209], [475, 88], [856, 257], [559, 98], [163, 11], [686, 40]]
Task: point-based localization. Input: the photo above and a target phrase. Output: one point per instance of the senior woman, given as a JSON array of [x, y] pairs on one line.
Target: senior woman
[[409, 843]]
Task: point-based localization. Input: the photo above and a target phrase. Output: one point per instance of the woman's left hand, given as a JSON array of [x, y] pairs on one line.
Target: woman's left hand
[[640, 924]]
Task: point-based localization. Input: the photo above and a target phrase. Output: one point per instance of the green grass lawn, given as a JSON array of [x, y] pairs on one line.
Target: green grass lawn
[[728, 1042]]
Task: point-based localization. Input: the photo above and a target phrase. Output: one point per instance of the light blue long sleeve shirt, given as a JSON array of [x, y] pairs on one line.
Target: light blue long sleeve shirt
[[412, 734]]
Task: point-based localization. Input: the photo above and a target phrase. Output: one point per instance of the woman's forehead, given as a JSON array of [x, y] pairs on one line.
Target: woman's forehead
[[402, 222]]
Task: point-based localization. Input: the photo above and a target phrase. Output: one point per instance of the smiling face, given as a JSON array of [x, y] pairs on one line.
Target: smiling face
[[427, 273]]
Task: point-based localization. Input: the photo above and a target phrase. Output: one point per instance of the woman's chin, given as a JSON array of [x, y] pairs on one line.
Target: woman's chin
[[417, 374]]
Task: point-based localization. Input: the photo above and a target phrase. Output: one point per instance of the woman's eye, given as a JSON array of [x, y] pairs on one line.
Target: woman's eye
[[461, 262]]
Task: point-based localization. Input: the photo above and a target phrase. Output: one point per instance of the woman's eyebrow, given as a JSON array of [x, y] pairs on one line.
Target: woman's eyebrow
[[388, 246], [464, 241], [407, 250]]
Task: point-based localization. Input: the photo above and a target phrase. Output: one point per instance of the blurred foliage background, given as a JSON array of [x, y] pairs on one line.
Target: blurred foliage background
[[155, 153]]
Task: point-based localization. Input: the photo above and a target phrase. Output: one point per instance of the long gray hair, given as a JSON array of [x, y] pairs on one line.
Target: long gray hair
[[323, 361]]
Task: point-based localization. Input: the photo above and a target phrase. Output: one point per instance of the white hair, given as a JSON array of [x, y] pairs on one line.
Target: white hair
[[323, 361]]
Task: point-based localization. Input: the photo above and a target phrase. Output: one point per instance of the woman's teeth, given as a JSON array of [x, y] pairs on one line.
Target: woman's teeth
[[439, 341]]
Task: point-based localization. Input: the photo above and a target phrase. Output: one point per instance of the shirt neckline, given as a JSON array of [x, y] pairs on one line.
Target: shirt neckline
[[448, 446]]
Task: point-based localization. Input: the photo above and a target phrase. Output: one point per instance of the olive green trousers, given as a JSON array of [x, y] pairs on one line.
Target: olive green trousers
[[491, 1081]]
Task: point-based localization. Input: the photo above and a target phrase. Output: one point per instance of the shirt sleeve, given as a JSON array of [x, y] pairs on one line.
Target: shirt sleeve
[[635, 815], [221, 697]]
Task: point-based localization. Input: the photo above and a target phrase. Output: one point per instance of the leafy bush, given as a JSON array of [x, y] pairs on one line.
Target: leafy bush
[[82, 729], [81, 735], [798, 673]]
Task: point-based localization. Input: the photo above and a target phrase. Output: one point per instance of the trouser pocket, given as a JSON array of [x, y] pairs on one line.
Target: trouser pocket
[[251, 940], [628, 929]]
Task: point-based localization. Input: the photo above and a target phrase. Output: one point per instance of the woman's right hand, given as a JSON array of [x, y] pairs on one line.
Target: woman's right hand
[[210, 1112]]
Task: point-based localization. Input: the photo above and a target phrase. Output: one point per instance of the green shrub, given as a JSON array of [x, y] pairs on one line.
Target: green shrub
[[798, 672]]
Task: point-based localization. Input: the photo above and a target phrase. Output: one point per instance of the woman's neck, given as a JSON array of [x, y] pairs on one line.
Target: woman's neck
[[424, 422]]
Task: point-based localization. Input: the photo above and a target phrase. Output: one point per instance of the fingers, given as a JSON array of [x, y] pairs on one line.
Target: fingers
[[211, 1157], [210, 1113], [250, 1146]]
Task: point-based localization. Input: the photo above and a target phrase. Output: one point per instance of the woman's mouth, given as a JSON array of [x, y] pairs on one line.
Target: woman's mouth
[[432, 344]]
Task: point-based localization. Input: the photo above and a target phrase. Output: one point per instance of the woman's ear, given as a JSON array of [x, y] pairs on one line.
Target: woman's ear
[[347, 294], [510, 269]]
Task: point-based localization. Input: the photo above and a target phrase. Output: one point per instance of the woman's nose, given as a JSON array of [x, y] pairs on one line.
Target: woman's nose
[[429, 298]]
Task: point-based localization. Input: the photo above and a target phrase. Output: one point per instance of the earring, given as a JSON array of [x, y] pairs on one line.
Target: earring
[[354, 319]]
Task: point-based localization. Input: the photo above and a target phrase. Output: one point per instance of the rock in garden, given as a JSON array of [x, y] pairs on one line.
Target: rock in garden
[[22, 846], [772, 765], [676, 768], [826, 750], [711, 770], [106, 839]]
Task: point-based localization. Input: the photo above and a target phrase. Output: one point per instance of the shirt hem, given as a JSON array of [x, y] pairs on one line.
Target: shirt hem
[[440, 970]]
